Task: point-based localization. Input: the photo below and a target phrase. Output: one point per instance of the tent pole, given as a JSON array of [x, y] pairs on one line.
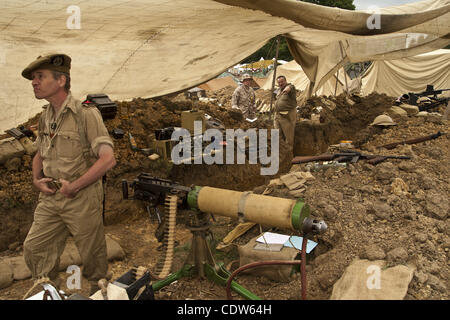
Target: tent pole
[[274, 72], [337, 79], [342, 55]]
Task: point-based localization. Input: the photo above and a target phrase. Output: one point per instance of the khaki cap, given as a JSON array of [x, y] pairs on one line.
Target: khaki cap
[[246, 76], [383, 120], [55, 62]]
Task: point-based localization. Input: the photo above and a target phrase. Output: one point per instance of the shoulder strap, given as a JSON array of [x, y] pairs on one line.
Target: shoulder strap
[[41, 123], [86, 147]]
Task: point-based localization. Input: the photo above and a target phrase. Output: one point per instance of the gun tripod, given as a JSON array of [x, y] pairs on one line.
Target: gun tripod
[[200, 260]]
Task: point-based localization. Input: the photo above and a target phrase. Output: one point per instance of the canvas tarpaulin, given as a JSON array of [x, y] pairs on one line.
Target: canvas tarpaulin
[[148, 48], [294, 74], [412, 74], [218, 83]]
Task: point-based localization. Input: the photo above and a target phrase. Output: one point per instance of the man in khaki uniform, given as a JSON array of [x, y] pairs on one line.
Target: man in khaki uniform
[[74, 152], [244, 98], [285, 111]]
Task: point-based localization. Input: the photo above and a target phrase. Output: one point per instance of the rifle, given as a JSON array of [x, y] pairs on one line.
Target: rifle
[[347, 156], [339, 157], [412, 141]]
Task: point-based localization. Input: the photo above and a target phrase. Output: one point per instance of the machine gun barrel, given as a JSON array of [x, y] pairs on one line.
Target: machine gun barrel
[[244, 206], [149, 188]]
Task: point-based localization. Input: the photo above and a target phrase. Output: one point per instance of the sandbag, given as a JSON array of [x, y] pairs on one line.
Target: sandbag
[[280, 273], [70, 256], [6, 275], [411, 110], [369, 280], [397, 112], [10, 148]]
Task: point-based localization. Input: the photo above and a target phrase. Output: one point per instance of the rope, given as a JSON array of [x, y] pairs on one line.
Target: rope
[[39, 281]]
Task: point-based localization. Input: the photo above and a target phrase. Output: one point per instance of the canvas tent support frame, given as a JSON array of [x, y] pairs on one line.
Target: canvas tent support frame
[[274, 73], [165, 49]]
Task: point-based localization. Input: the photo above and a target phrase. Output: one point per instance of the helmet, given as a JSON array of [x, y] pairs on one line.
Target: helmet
[[246, 76], [383, 120]]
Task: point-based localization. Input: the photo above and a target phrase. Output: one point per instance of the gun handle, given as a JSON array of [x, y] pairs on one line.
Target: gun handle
[[125, 189]]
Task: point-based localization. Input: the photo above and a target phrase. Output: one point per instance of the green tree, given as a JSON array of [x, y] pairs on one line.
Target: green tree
[[343, 4], [268, 51]]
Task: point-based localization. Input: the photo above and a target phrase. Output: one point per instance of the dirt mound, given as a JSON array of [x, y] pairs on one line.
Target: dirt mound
[[339, 118], [397, 210]]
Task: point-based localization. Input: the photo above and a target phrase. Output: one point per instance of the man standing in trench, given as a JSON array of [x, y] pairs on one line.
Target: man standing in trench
[[285, 111], [74, 152], [244, 98]]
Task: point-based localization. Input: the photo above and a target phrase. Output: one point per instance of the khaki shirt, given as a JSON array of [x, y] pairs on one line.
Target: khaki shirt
[[59, 141], [244, 98], [286, 102]]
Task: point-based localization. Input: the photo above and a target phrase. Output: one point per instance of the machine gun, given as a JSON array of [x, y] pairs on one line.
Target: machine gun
[[153, 191], [201, 202], [429, 91], [431, 94]]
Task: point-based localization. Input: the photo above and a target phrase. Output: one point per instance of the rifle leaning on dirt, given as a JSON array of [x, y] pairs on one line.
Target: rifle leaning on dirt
[[346, 156], [412, 141]]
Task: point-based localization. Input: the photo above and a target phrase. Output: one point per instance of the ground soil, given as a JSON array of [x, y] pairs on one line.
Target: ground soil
[[364, 210]]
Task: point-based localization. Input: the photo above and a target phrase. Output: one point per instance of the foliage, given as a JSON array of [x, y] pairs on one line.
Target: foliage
[[268, 51], [343, 4]]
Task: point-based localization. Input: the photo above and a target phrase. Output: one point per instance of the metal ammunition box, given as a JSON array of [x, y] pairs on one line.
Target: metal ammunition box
[[163, 148], [188, 118], [107, 108]]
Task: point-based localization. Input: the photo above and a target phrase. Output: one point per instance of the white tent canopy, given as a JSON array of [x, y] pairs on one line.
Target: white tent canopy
[[294, 74], [149, 48], [412, 74]]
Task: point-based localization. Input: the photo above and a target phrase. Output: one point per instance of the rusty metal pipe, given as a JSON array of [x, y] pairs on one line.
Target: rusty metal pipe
[[303, 267], [301, 262]]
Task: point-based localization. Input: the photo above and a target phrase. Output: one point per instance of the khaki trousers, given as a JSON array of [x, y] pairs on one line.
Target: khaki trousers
[[248, 112], [286, 124], [55, 219]]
